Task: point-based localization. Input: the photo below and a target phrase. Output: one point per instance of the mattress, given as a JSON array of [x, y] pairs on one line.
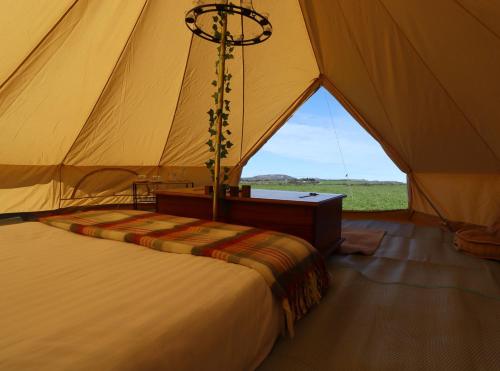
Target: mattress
[[81, 303]]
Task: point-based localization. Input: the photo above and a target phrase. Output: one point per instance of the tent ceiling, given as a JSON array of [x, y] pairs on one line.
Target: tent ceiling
[[86, 84]]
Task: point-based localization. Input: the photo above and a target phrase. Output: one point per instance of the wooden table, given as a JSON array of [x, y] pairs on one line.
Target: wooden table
[[316, 219]]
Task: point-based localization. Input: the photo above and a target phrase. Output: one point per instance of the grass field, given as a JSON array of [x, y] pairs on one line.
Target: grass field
[[361, 195]]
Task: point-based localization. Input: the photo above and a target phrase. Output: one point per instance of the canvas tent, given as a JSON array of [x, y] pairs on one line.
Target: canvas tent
[[88, 85]]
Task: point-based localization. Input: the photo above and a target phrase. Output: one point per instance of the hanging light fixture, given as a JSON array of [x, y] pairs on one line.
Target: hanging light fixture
[[220, 11], [245, 9]]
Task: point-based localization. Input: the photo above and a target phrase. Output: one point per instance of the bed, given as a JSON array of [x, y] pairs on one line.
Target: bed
[[81, 303]]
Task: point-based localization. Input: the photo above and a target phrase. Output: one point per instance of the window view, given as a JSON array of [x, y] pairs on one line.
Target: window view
[[323, 149]]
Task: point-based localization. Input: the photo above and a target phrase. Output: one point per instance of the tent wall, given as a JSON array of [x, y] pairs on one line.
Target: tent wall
[[90, 85], [87, 85], [423, 78], [36, 22], [471, 198], [130, 123], [28, 188], [48, 99]]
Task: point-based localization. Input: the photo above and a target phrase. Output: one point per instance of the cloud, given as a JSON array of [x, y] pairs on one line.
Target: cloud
[[315, 141], [319, 144]]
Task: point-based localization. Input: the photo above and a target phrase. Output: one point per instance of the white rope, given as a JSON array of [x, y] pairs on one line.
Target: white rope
[[340, 149]]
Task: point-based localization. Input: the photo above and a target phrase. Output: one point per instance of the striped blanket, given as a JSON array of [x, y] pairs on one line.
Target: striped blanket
[[292, 268]]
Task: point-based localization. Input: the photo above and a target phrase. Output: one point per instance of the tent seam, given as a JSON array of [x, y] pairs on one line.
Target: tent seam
[[278, 123], [177, 103], [385, 111], [432, 205], [361, 120], [146, 2], [383, 107], [6, 81], [242, 158], [350, 107], [315, 50], [377, 93], [476, 18], [447, 93]]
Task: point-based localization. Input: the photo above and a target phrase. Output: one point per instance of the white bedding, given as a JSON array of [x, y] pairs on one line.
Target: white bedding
[[70, 302]]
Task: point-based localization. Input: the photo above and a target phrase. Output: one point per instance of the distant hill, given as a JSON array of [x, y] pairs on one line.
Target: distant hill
[[283, 178], [269, 178]]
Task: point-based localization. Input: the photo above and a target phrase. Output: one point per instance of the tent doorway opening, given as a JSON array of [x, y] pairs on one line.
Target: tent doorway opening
[[323, 149]]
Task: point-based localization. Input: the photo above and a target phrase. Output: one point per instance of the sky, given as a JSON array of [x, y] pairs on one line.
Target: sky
[[321, 140]]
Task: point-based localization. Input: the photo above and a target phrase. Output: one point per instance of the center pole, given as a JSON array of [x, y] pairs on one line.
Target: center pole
[[220, 107]]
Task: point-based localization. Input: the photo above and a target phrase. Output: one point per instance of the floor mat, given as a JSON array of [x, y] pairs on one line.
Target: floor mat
[[360, 240], [416, 304]]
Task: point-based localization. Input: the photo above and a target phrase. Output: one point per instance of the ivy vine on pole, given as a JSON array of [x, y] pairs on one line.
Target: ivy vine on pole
[[214, 114]]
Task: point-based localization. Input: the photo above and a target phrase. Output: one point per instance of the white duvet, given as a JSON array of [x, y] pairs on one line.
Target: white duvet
[[71, 302]]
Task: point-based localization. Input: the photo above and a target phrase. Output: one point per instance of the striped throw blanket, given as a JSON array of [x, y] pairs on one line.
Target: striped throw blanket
[[292, 268]]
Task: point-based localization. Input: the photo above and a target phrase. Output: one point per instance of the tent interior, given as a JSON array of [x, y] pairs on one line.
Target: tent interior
[[94, 93]]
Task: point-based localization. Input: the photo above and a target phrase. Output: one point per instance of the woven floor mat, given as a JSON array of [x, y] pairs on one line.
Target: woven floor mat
[[417, 304]]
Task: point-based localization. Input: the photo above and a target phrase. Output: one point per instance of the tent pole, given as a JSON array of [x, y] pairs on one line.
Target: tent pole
[[220, 107]]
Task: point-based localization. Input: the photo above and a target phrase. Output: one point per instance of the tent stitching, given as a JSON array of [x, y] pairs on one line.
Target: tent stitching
[[162, 154], [383, 107], [477, 19], [118, 60], [278, 123], [377, 93], [252, 151], [441, 85], [429, 201], [316, 51], [99, 97], [361, 120], [38, 44], [348, 106]]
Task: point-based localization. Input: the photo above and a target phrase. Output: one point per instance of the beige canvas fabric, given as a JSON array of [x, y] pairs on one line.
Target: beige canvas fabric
[[422, 77], [87, 85]]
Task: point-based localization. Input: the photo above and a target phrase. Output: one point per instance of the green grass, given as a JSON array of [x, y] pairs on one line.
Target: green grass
[[361, 195]]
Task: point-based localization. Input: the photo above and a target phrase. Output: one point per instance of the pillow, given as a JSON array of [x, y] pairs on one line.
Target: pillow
[[479, 241]]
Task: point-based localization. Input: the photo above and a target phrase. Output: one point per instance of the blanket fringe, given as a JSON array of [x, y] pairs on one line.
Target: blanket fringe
[[304, 293]]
